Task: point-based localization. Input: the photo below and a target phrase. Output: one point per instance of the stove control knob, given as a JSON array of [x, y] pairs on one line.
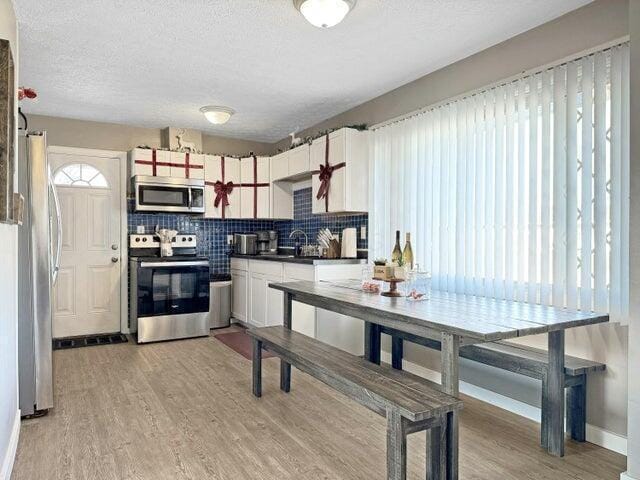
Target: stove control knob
[[137, 239], [144, 239], [190, 239]]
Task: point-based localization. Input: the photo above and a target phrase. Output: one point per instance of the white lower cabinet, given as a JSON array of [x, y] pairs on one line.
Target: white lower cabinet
[[303, 316], [240, 296], [340, 331], [265, 305], [258, 305]]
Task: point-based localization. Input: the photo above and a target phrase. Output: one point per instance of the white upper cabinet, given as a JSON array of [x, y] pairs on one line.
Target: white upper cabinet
[[280, 166], [299, 160], [282, 200], [162, 163], [290, 164], [255, 193], [348, 159], [225, 170], [151, 162], [187, 165]]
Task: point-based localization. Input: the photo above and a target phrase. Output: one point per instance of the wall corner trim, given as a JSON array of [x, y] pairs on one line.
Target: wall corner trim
[[625, 476], [10, 455], [596, 435]]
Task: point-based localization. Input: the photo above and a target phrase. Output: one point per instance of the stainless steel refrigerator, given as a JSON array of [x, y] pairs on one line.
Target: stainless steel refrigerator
[[38, 262]]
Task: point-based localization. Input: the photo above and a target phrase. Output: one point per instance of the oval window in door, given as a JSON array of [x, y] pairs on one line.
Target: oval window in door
[[80, 175]]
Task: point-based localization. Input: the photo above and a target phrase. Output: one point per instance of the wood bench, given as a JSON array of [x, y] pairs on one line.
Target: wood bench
[[525, 360], [409, 403]]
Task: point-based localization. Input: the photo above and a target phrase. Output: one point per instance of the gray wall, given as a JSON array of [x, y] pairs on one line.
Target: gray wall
[[633, 441], [110, 136], [8, 293], [593, 25]]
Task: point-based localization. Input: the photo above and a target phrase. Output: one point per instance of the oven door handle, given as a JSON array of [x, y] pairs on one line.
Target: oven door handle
[[197, 263]]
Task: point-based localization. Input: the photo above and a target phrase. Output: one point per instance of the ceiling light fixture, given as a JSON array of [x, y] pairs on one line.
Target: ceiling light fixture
[[217, 114], [324, 13]]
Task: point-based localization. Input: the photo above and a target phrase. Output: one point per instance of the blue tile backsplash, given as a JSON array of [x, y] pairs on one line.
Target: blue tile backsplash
[[212, 233], [304, 220]]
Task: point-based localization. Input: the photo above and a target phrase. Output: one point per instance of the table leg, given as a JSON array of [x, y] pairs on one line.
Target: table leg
[[372, 337], [285, 368], [257, 367], [554, 392], [397, 351], [451, 385]]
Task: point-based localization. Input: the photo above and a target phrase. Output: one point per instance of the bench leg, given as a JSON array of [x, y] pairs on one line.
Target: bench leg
[[397, 351], [372, 337], [436, 452], [577, 410], [396, 446], [257, 367], [285, 376]]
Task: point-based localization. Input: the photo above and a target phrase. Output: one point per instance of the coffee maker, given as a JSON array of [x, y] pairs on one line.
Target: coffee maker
[[267, 242]]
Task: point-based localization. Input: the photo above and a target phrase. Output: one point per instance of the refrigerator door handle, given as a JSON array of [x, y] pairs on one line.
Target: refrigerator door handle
[[56, 201]]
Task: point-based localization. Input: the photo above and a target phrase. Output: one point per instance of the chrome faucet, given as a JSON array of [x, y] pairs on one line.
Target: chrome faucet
[[297, 231]]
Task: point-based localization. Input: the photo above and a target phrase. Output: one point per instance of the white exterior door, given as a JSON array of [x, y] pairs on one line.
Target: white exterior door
[[86, 295]]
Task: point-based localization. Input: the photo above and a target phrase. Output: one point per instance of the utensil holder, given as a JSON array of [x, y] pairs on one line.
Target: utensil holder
[[334, 249]]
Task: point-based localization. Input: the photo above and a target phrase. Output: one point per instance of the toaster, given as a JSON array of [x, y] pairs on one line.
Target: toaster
[[245, 243]]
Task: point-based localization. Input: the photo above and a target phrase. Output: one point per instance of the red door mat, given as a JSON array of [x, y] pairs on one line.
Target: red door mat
[[240, 342]]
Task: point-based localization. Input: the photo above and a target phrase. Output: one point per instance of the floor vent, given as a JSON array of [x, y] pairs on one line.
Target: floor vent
[[89, 341]]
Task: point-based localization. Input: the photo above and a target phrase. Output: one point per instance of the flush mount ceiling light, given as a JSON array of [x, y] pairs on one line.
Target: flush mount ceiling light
[[217, 114], [324, 13]]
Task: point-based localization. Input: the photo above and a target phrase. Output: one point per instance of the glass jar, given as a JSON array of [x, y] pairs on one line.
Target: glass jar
[[417, 286], [369, 284]]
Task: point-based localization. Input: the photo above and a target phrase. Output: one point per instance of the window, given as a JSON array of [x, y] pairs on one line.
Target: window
[[80, 175], [520, 191]]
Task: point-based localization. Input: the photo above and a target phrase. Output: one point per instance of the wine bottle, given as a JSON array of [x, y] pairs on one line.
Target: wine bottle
[[396, 255], [407, 253]]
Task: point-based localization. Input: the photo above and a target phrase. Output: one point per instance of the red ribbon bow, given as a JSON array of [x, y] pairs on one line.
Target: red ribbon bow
[[222, 191], [324, 174], [325, 178]]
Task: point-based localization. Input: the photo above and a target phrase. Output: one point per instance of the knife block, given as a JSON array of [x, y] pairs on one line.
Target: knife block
[[334, 249]]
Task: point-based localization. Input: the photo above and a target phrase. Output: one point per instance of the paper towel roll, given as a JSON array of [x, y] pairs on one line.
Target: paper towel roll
[[349, 243]]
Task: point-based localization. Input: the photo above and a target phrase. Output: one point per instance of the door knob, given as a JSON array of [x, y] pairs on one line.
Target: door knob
[[114, 259], [114, 246]]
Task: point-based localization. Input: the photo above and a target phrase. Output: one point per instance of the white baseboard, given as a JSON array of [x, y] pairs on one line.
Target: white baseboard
[[595, 435], [10, 455]]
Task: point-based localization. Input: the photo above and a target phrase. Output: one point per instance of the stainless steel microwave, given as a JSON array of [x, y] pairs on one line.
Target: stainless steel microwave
[[166, 194]]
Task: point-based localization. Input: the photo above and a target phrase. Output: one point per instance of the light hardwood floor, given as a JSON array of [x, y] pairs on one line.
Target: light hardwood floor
[[184, 410]]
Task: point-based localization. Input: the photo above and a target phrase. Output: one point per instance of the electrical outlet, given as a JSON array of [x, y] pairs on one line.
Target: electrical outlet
[[363, 232], [229, 239]]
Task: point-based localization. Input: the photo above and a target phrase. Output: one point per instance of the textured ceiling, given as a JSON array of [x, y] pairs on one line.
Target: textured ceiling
[[154, 63]]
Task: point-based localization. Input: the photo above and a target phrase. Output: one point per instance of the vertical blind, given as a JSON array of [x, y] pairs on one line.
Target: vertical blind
[[519, 191]]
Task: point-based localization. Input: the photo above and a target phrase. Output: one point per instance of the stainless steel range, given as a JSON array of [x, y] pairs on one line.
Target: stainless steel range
[[169, 296]]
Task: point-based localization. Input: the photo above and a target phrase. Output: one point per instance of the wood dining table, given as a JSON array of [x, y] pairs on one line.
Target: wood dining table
[[454, 319]]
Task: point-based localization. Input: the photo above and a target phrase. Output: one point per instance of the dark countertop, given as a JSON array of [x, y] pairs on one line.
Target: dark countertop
[[303, 260]]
